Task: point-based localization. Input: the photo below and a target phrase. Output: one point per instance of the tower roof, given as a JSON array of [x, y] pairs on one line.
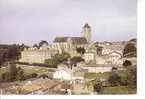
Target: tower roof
[[86, 25]]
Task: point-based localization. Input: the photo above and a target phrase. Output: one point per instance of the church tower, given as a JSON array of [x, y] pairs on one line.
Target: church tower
[[86, 32]]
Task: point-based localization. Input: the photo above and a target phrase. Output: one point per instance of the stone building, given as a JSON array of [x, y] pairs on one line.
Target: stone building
[[36, 55], [69, 44]]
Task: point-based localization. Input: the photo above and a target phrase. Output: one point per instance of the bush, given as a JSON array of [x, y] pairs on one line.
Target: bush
[[20, 74], [114, 79], [74, 60], [98, 87], [51, 63], [130, 50], [4, 77], [80, 50], [34, 75], [127, 63]]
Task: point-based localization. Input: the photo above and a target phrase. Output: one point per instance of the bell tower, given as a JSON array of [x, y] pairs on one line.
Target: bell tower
[[86, 32]]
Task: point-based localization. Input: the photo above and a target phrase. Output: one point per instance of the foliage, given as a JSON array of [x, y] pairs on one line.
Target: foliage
[[57, 59], [127, 78], [51, 62], [9, 52], [118, 90], [42, 42], [96, 75], [34, 75], [13, 73], [132, 77], [20, 74], [35, 45], [61, 57], [127, 63], [130, 50], [80, 50], [114, 79], [76, 59], [98, 87]]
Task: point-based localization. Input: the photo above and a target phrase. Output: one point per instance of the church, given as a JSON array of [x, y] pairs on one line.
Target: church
[[60, 44], [69, 44]]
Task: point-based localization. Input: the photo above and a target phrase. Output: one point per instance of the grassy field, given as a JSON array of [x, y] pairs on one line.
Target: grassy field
[[118, 90], [30, 69], [35, 69], [95, 75]]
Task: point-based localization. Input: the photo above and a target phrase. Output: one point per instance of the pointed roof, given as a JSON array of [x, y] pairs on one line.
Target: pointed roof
[[86, 25]]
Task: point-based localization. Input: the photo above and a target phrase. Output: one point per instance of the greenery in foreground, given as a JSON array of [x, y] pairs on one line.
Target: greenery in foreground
[[117, 82], [19, 73], [63, 58], [96, 75], [118, 90]]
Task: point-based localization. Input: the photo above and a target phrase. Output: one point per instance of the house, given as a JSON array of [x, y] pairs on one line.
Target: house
[[89, 57], [63, 74]]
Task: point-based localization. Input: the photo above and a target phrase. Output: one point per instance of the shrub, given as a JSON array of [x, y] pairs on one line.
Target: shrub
[[98, 87], [34, 75], [127, 63], [114, 79]]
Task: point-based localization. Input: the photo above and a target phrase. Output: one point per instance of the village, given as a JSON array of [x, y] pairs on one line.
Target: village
[[74, 66]]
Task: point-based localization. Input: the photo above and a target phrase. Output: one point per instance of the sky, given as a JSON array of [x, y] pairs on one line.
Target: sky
[[29, 21]]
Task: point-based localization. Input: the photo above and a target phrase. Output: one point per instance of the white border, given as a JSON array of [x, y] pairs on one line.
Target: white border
[[141, 67]]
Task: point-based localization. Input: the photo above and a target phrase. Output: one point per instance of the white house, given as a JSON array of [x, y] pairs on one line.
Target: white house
[[89, 57], [63, 74]]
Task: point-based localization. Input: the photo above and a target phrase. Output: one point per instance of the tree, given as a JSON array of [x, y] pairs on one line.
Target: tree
[[35, 45], [127, 63], [98, 87], [57, 59], [132, 77], [42, 42], [20, 74], [130, 50], [12, 71], [61, 57], [114, 79], [52, 63], [74, 60], [129, 77], [80, 50]]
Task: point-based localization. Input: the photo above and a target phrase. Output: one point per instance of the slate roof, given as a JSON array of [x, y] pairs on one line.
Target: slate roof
[[86, 25], [74, 40]]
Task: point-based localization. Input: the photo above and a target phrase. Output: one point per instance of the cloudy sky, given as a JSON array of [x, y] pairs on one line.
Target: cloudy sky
[[30, 21]]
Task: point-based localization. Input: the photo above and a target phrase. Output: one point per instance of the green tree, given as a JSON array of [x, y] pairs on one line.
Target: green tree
[[74, 60], [42, 42], [127, 63], [130, 50], [80, 50], [132, 77], [12, 71], [20, 74], [98, 87], [52, 63], [61, 57], [114, 79]]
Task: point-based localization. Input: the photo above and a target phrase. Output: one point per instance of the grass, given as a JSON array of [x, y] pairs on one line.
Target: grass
[[96, 75], [36, 69], [29, 70], [118, 90]]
